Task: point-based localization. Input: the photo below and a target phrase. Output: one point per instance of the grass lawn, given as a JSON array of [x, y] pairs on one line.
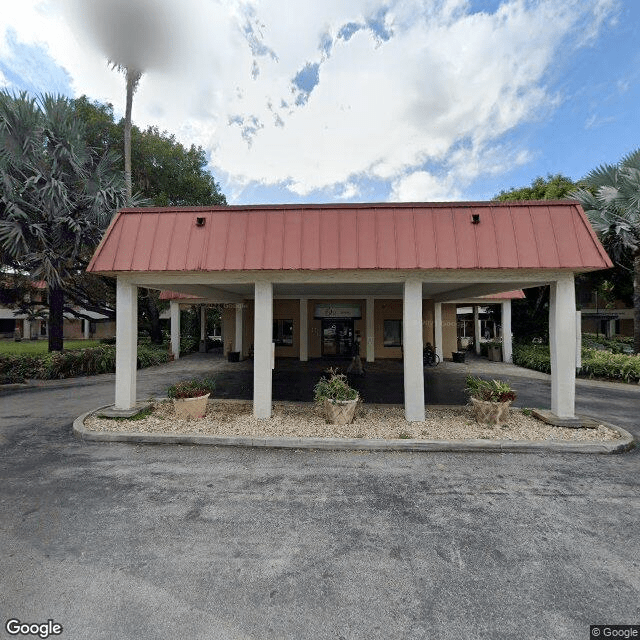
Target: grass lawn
[[35, 347]]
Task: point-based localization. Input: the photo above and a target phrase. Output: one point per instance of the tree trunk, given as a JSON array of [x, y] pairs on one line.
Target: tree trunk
[[155, 332], [56, 318], [636, 302], [131, 84]]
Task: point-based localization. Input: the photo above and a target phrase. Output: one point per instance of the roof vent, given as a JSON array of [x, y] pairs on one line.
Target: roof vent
[[200, 222], [475, 218]]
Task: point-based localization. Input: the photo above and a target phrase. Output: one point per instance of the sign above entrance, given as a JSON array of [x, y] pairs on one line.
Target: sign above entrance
[[337, 310]]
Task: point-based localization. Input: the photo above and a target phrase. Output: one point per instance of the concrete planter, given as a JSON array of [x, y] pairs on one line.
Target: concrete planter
[[493, 413], [340, 411], [191, 407], [495, 352]]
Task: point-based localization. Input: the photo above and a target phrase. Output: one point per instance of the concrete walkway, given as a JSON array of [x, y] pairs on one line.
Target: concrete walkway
[[146, 542]]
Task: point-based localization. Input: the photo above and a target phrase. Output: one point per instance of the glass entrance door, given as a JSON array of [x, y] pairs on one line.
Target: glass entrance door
[[337, 338]]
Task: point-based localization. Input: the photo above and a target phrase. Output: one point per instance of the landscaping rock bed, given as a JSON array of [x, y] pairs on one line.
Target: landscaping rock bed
[[235, 418]]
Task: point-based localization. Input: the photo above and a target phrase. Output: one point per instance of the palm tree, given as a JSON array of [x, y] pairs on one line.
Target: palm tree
[[612, 203], [57, 195], [132, 78]]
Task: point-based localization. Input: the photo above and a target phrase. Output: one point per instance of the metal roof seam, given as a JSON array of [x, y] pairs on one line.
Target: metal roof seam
[[301, 240], [339, 239], [436, 263], [415, 237], [153, 242], [533, 227], [264, 242], [494, 236], [115, 253], [455, 235], [575, 230], [395, 240], [284, 229], [173, 230], [204, 255], [555, 237], [186, 253], [133, 253], [515, 239]]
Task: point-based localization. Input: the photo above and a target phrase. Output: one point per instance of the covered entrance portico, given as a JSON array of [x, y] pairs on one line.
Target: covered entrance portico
[[407, 263], [235, 291]]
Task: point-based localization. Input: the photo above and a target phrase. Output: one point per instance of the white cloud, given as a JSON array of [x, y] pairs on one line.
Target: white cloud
[[421, 186], [416, 94]]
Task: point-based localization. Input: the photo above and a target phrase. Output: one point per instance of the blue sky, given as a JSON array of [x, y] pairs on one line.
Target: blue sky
[[361, 101]]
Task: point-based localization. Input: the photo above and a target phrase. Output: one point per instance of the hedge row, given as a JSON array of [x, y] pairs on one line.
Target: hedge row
[[615, 345], [67, 364], [595, 363]]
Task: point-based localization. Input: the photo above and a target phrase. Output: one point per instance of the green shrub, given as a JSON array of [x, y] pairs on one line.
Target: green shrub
[[192, 388], [489, 390], [189, 344], [335, 387], [532, 356], [595, 363], [616, 366], [80, 362], [614, 345]]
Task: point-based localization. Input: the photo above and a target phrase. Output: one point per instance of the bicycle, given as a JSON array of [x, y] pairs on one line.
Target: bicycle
[[429, 356]]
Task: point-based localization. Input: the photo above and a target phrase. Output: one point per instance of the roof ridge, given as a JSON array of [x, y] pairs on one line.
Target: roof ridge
[[347, 205]]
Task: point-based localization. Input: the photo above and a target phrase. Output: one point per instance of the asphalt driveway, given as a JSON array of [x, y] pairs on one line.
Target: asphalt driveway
[[124, 541]]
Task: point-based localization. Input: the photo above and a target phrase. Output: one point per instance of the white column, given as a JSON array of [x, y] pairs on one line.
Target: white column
[[175, 328], [85, 329], [26, 329], [304, 330], [476, 327], [437, 328], [126, 344], [239, 328], [370, 329], [203, 322], [412, 351], [578, 340], [507, 342], [262, 350], [562, 340]]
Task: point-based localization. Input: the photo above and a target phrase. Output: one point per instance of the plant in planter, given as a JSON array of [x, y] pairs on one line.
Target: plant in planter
[[490, 400], [494, 350], [190, 397], [338, 399]]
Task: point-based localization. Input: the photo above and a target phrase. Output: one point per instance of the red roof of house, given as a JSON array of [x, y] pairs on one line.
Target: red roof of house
[[531, 235]]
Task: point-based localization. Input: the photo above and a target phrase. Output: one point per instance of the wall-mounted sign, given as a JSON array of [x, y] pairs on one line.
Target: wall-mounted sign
[[337, 310]]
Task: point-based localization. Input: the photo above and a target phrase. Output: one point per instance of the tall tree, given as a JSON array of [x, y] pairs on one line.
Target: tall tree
[[553, 187], [132, 78], [164, 172], [612, 203], [57, 195]]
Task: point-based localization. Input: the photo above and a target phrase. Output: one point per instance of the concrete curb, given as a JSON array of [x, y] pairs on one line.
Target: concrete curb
[[357, 444]]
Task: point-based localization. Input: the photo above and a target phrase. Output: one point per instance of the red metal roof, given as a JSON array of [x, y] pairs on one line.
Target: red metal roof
[[524, 235]]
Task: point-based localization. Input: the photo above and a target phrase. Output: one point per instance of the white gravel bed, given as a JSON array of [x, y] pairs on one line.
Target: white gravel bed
[[235, 418]]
